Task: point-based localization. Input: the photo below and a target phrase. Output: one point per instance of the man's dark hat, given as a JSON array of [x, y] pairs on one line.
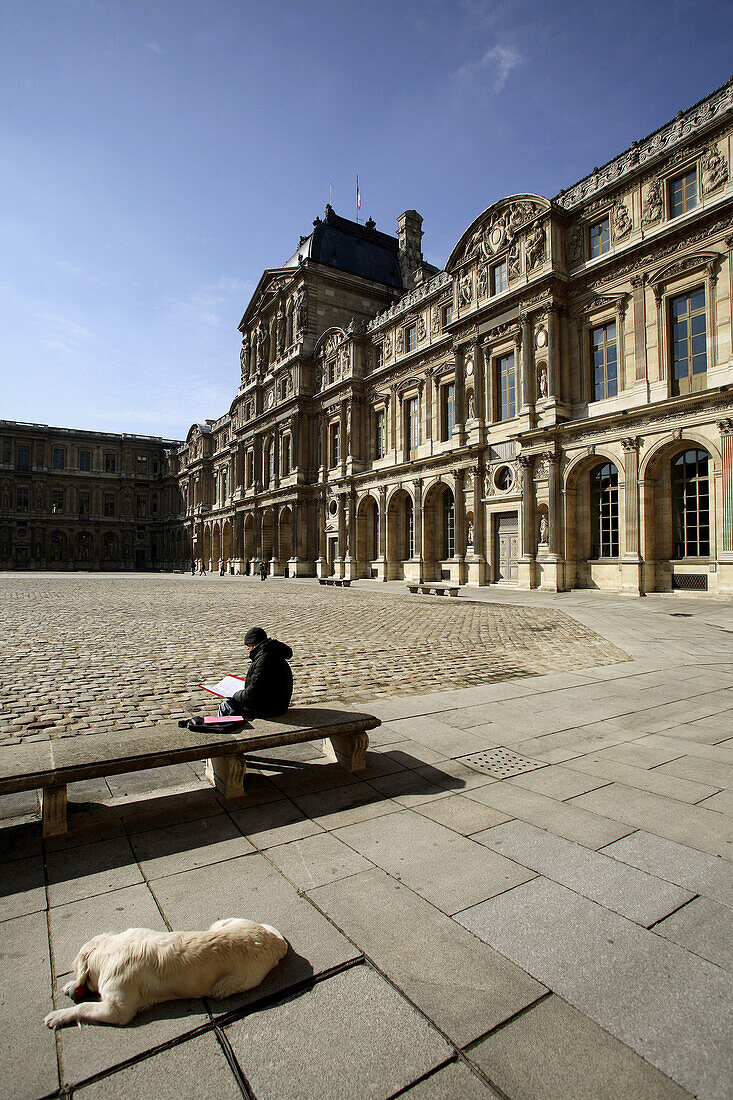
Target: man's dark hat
[[255, 635]]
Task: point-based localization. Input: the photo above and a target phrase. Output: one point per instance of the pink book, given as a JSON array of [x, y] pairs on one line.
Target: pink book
[[212, 719]]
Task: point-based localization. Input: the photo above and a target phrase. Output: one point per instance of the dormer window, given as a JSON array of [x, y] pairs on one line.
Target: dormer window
[[499, 279], [599, 237], [410, 338], [683, 193]]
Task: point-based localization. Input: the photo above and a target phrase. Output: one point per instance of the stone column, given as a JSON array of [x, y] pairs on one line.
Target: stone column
[[322, 561], [383, 564], [479, 385], [553, 354], [631, 579], [487, 395], [460, 532], [725, 556], [343, 440], [528, 381], [417, 524], [342, 498], [526, 564], [459, 428]]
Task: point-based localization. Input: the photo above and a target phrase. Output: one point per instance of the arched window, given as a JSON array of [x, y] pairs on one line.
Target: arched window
[[285, 455], [691, 505], [449, 524], [604, 511]]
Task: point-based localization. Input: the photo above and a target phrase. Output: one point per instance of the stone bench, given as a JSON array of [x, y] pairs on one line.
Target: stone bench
[[340, 582], [49, 766], [437, 589]]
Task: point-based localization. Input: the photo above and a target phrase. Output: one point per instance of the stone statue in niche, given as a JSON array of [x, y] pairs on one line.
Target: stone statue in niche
[[244, 357], [514, 261], [714, 170], [542, 382], [39, 498], [6, 494], [280, 330], [469, 533], [622, 224], [436, 320], [399, 342], [654, 204], [263, 345], [535, 247], [301, 311], [465, 287], [470, 412], [544, 530], [574, 247], [421, 329], [481, 283], [387, 347]]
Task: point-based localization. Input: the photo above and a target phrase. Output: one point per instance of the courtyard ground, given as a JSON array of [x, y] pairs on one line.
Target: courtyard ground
[[561, 930]]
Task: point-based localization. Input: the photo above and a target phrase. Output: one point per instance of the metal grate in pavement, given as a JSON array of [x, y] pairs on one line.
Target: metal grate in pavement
[[501, 763]]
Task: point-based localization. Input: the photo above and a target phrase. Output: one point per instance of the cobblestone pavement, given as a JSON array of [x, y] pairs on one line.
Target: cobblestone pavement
[[87, 653]]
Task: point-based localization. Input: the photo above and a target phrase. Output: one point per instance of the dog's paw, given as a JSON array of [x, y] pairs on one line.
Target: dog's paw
[[68, 989], [59, 1019]]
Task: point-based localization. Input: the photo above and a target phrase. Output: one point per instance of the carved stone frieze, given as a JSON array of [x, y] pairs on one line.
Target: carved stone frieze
[[574, 246], [534, 247], [653, 204], [497, 232], [714, 169], [465, 288], [622, 223]]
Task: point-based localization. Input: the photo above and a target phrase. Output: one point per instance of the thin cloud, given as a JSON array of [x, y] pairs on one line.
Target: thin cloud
[[497, 63], [204, 306], [153, 46]]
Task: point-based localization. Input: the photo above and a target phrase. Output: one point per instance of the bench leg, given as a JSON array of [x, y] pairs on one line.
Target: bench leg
[[226, 773], [347, 749], [53, 811]]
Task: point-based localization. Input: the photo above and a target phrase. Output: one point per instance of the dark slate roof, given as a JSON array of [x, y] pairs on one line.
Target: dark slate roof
[[349, 246]]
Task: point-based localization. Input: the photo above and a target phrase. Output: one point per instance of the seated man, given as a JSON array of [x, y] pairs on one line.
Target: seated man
[[268, 686]]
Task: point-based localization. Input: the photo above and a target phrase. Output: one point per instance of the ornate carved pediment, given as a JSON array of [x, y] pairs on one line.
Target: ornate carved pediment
[[698, 260], [494, 231], [599, 302]]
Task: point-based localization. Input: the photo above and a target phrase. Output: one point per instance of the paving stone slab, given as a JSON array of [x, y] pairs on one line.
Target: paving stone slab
[[28, 1066], [623, 889], [463, 985], [453, 1082], [462, 815], [563, 818], [722, 803], [715, 772], [316, 860], [91, 1049], [181, 847], [78, 921], [657, 781], [686, 867], [705, 927], [22, 887], [19, 839], [376, 1042], [438, 864], [673, 1008], [702, 829], [454, 775], [274, 823], [721, 753], [345, 805], [439, 736], [410, 787], [557, 782], [251, 887], [194, 1068], [553, 1052], [93, 868]]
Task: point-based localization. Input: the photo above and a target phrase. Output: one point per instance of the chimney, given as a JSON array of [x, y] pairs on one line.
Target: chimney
[[409, 232]]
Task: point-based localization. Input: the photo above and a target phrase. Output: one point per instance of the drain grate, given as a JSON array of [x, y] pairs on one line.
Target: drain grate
[[501, 763]]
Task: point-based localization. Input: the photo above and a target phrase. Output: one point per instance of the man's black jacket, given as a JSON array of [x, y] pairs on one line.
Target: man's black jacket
[[268, 687]]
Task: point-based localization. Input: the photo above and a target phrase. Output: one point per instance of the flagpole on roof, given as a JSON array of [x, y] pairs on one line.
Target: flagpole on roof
[[358, 199]]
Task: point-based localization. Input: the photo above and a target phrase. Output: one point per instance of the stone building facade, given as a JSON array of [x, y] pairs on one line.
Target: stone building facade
[[84, 500], [552, 410]]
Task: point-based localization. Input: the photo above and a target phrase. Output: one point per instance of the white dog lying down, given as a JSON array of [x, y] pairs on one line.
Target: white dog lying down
[[138, 968]]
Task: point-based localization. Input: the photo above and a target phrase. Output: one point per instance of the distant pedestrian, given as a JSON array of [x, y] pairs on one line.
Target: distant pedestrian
[[193, 568], [263, 570], [202, 571]]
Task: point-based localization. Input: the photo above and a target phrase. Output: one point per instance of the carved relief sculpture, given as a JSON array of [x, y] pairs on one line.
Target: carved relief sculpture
[[535, 247], [399, 342], [436, 320], [622, 224], [514, 261], [482, 283], [465, 287], [280, 331], [301, 312], [574, 247], [654, 204], [244, 357], [714, 169]]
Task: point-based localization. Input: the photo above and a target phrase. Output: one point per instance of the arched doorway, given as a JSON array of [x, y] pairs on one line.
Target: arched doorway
[[367, 538], [439, 533], [400, 534]]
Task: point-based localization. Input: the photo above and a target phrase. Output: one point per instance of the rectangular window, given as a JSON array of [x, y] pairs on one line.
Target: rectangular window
[[109, 504], [285, 456], [85, 500], [410, 338], [154, 504], [142, 506], [688, 341], [21, 498], [499, 280], [448, 411], [334, 444], [683, 193], [599, 237], [110, 462], [379, 440], [57, 501], [24, 456], [142, 464], [412, 424], [85, 460], [57, 458], [250, 468], [506, 387], [447, 314], [378, 356], [604, 361]]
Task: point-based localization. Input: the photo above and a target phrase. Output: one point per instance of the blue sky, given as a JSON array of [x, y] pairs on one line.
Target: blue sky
[[156, 156]]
